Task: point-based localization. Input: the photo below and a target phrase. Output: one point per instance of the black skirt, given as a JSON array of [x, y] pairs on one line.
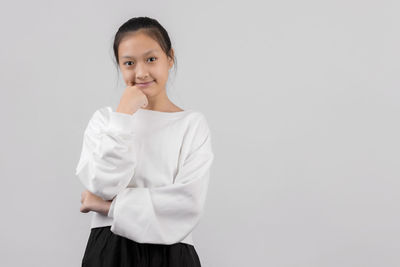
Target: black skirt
[[106, 249]]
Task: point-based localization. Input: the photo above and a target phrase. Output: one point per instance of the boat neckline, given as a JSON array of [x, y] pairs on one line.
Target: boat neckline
[[163, 112], [159, 113]]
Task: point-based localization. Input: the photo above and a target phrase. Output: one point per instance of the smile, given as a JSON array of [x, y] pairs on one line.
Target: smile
[[141, 85]]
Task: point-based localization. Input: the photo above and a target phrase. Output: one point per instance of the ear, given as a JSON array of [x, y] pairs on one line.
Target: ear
[[171, 59]]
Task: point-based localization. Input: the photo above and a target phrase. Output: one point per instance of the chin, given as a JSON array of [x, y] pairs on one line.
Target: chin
[[151, 91]]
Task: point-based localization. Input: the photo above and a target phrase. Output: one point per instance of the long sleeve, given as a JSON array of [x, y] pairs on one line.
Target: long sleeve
[[167, 214], [108, 157]]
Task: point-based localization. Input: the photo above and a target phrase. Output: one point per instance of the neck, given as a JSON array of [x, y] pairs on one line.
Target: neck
[[159, 102]]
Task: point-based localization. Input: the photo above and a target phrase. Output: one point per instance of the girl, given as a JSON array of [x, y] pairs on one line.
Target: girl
[[146, 165]]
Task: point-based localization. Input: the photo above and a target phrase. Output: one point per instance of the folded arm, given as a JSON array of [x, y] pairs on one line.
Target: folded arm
[[108, 157], [167, 214]]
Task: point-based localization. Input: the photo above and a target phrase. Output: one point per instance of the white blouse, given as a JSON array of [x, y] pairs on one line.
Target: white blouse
[[154, 166]]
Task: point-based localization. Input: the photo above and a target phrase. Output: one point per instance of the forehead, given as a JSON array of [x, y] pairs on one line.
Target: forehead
[[136, 45]]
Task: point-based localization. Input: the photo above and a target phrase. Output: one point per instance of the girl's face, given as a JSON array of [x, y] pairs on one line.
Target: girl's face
[[142, 60]]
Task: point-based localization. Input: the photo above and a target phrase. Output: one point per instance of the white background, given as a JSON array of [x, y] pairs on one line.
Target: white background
[[302, 98]]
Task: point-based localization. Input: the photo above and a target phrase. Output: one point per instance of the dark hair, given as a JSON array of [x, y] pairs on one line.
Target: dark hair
[[148, 26]]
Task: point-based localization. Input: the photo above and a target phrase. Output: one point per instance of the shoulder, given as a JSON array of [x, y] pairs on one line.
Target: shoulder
[[198, 131], [99, 118], [197, 137], [102, 113], [198, 121]]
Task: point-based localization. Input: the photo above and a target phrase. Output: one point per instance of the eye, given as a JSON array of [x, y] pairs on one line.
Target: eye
[[152, 57], [127, 62]]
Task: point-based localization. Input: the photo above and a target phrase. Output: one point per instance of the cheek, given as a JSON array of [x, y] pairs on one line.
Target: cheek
[[161, 75], [128, 75]]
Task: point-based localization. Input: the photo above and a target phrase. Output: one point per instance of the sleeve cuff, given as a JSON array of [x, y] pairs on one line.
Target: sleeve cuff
[[121, 122], [111, 210]]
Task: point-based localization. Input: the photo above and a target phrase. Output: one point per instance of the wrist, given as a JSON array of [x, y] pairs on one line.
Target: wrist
[[102, 207], [106, 207]]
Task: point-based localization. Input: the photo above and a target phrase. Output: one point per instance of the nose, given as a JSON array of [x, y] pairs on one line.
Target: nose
[[141, 72]]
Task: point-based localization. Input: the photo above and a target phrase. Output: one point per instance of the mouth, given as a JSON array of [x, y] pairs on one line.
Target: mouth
[[146, 84]]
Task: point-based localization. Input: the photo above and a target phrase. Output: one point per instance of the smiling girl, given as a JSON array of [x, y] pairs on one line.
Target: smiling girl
[[146, 164]]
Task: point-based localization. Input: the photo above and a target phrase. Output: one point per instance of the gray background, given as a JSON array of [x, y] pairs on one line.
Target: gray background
[[302, 98]]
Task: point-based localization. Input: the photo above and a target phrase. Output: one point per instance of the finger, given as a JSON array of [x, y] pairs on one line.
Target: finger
[[130, 83], [83, 209]]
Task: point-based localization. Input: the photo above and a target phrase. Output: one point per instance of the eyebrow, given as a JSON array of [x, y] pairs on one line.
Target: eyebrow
[[148, 52]]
